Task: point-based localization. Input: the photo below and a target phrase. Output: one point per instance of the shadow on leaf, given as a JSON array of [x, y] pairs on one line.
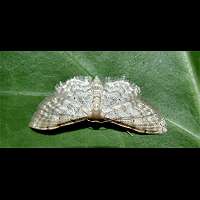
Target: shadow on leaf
[[87, 124]]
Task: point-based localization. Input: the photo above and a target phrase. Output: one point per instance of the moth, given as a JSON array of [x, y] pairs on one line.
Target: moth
[[86, 98]]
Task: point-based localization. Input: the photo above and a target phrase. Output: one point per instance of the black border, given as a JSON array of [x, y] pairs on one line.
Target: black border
[[90, 37], [84, 37], [149, 155]]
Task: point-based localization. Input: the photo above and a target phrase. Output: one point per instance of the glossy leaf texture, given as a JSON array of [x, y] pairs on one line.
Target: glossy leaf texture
[[169, 81]]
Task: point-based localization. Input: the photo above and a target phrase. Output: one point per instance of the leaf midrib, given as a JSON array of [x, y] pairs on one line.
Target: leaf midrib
[[194, 79]]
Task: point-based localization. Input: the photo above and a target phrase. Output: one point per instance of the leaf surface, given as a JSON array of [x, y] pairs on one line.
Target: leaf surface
[[169, 81]]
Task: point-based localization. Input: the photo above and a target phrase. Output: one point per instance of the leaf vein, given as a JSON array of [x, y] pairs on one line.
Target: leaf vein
[[75, 60], [23, 93], [184, 129]]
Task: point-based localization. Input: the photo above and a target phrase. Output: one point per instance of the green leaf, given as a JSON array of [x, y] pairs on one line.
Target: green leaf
[[169, 81]]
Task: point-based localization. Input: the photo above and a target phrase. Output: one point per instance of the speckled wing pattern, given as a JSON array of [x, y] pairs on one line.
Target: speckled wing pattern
[[69, 104], [84, 98], [140, 117], [121, 105]]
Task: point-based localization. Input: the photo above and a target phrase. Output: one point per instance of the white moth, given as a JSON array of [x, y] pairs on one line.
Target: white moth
[[84, 98]]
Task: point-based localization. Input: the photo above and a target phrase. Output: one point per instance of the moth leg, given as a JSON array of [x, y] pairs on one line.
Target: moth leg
[[129, 133]]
